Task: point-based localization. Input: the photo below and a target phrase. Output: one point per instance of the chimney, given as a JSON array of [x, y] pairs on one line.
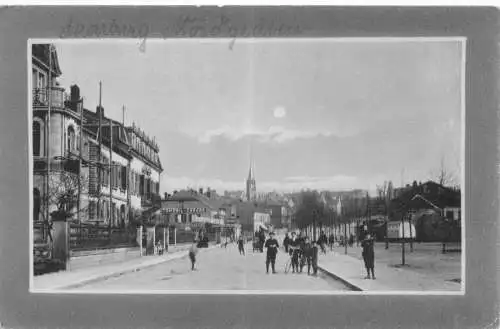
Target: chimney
[[74, 97]]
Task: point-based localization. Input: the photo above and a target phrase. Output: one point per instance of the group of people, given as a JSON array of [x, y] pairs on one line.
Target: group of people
[[301, 250]]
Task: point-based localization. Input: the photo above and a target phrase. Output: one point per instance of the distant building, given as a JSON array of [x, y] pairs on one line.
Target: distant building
[[251, 188]]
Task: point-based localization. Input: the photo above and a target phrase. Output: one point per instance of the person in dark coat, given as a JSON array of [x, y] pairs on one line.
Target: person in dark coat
[[294, 251], [286, 242], [369, 256], [331, 241], [311, 256], [193, 250], [272, 249], [241, 245]]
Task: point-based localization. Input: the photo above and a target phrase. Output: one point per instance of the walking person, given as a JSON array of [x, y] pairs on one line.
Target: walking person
[[272, 249], [369, 255], [241, 245], [193, 250]]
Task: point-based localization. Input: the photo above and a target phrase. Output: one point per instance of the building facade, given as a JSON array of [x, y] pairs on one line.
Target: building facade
[[111, 170], [57, 135]]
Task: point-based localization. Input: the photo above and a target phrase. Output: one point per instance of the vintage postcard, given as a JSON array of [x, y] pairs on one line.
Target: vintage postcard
[[247, 166]]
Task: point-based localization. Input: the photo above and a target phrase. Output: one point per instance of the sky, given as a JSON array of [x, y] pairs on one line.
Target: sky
[[334, 114]]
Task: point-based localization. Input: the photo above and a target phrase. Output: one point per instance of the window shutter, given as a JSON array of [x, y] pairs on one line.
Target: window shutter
[[119, 177]]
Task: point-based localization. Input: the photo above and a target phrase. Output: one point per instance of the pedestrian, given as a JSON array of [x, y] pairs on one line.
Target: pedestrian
[[241, 245], [368, 256], [286, 242], [302, 259], [322, 241], [272, 249], [351, 240], [309, 255], [193, 250], [314, 258], [294, 251], [331, 241]]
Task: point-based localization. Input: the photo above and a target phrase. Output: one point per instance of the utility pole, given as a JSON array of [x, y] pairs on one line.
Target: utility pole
[[111, 217], [403, 237], [80, 160], [99, 157], [48, 90]]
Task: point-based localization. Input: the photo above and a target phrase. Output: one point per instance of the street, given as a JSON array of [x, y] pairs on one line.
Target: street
[[218, 269]]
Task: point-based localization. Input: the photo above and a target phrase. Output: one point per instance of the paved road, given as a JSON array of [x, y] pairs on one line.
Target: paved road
[[218, 269]]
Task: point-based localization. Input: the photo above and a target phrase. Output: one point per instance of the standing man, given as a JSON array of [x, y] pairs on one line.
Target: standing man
[[241, 245], [286, 242], [272, 249], [193, 250], [294, 251], [368, 256]]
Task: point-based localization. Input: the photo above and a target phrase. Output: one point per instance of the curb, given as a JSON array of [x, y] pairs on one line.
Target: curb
[[139, 267], [338, 278]]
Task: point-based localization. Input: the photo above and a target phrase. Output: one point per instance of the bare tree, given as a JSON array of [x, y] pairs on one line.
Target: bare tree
[[62, 197], [443, 176]]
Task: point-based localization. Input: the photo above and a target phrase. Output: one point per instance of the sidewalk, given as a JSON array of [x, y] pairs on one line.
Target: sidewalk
[[73, 279], [425, 272]]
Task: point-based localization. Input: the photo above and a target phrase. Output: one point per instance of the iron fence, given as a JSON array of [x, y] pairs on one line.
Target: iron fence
[[84, 237]]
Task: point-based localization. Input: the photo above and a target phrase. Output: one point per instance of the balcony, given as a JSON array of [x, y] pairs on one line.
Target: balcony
[[41, 97], [68, 165]]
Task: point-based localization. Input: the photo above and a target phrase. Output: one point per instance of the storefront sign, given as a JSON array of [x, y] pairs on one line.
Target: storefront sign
[[183, 210]]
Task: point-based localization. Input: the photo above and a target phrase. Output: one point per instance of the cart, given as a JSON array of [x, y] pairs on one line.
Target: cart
[[257, 244]]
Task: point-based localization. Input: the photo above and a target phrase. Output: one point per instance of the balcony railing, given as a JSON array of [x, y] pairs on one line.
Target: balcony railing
[[41, 97]]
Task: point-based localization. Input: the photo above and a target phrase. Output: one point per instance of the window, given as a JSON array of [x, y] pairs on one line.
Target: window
[[36, 205], [141, 185], [37, 138], [148, 188], [449, 214], [34, 80], [124, 178], [92, 210], [71, 139], [41, 81]]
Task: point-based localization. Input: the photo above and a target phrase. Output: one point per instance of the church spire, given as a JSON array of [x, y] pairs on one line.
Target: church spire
[[251, 188]]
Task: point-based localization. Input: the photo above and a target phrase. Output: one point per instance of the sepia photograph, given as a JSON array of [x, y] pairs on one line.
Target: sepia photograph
[[250, 166]]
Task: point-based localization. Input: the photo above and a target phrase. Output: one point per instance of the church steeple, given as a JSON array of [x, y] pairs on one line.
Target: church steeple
[[251, 190]]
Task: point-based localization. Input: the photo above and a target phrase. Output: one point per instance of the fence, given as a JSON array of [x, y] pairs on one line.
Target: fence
[[84, 237]]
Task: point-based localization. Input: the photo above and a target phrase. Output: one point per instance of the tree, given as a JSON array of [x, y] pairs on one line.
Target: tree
[[62, 197], [309, 202], [443, 176]]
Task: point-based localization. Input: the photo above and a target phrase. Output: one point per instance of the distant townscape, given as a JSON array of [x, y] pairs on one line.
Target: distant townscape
[[97, 200]]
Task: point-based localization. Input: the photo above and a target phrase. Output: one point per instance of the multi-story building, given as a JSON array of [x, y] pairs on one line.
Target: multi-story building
[[116, 168], [57, 134], [145, 170]]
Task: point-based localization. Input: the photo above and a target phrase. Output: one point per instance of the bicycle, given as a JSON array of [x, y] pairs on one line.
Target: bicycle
[[289, 261]]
